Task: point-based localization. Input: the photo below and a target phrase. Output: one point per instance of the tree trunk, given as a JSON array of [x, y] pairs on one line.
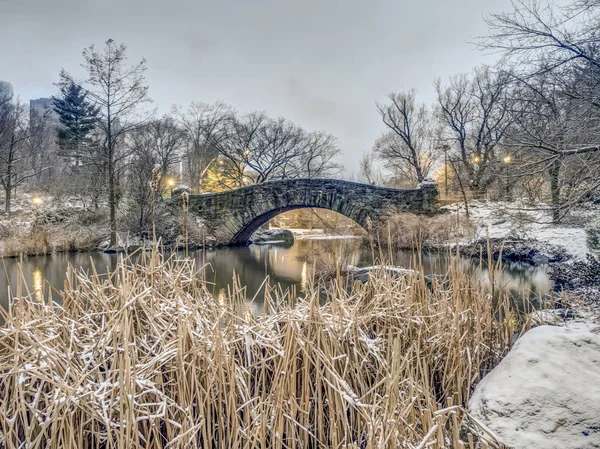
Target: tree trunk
[[555, 190], [7, 191], [112, 203]]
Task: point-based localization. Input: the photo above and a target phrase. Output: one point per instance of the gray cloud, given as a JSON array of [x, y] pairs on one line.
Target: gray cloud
[[322, 63]]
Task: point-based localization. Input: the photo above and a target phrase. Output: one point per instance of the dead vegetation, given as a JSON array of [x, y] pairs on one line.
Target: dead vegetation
[[54, 232], [147, 358], [410, 231]]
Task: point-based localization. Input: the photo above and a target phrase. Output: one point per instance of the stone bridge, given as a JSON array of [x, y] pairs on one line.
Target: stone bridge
[[233, 216]]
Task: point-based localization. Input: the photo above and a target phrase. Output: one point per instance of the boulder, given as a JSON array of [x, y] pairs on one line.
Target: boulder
[[273, 236], [362, 274], [546, 392]]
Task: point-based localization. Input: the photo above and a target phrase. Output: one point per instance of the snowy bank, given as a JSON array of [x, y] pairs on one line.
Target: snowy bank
[[508, 220], [546, 392]]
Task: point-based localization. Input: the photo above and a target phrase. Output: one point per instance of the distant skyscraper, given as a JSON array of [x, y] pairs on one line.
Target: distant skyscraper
[[41, 107], [6, 89]]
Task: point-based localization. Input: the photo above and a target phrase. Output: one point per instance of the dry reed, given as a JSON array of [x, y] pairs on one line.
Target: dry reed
[[146, 358], [409, 231]]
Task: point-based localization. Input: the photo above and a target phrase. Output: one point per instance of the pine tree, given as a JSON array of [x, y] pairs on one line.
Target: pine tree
[[77, 117]]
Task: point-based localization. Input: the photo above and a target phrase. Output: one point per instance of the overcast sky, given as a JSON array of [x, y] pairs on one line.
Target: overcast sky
[[320, 63]]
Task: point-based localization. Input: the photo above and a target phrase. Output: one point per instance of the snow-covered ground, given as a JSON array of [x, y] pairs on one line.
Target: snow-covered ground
[[506, 220]]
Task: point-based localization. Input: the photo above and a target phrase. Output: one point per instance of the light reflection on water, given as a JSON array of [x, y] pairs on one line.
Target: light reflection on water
[[286, 267], [38, 284]]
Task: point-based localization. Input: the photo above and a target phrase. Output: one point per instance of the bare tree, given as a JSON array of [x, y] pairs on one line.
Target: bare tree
[[368, 172], [16, 154], [118, 91], [555, 59], [144, 158], [252, 148], [201, 122], [166, 140], [411, 142], [42, 147], [474, 111], [317, 156], [551, 141]]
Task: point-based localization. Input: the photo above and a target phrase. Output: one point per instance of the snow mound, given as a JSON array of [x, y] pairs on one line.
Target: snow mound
[[546, 391]]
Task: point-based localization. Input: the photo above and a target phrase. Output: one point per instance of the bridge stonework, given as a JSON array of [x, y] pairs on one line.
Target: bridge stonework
[[233, 216]]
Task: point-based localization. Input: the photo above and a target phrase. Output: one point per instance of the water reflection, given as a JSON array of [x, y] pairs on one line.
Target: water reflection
[[38, 284], [288, 268]]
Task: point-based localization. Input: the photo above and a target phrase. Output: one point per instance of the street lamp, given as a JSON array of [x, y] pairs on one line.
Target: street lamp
[[476, 159], [506, 160], [171, 183], [37, 201]]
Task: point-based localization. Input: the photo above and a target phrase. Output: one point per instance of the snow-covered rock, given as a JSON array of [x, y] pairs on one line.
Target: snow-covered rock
[[362, 274], [273, 236], [546, 392]]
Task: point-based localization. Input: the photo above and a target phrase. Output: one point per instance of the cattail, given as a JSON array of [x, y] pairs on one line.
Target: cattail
[[155, 183], [185, 201]]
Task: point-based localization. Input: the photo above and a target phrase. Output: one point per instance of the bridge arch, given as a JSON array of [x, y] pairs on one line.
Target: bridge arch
[[233, 216], [245, 233]]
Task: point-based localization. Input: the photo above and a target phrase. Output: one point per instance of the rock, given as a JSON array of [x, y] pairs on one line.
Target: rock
[[577, 275], [273, 236], [546, 391], [362, 274]]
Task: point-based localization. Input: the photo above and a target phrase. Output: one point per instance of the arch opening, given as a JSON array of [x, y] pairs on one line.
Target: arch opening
[[329, 221]]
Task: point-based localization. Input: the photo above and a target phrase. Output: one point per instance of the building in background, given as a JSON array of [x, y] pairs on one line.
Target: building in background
[[6, 89], [41, 107]]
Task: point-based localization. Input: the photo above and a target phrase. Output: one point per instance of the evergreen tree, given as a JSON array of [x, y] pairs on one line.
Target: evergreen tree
[[77, 118]]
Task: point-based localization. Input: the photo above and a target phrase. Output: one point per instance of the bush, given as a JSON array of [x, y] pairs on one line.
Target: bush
[[57, 231], [593, 234], [407, 231]]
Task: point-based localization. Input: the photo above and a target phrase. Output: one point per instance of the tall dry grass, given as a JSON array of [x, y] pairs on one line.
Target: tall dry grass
[[410, 231], [146, 358]]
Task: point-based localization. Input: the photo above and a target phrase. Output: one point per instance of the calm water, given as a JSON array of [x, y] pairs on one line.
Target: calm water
[[285, 266]]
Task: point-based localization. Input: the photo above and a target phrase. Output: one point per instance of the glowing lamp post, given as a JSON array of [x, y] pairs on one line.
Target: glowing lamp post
[[506, 160], [171, 183], [37, 201]]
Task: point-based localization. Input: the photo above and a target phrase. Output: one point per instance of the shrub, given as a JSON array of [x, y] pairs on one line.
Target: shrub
[[593, 234], [406, 230]]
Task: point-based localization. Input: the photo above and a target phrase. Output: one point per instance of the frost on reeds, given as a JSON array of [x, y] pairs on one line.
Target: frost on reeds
[[146, 358]]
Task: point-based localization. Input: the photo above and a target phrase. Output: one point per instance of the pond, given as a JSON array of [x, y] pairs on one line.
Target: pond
[[286, 266]]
